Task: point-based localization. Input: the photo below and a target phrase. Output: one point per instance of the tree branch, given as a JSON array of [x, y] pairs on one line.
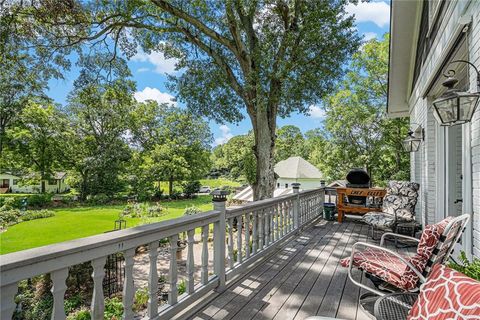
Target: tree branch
[[196, 23], [233, 81]]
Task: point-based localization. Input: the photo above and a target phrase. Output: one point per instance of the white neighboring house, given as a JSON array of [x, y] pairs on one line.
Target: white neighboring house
[[10, 183], [292, 170], [425, 37], [297, 170]]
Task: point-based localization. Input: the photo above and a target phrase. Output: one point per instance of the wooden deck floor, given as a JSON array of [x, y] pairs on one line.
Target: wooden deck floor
[[304, 278]]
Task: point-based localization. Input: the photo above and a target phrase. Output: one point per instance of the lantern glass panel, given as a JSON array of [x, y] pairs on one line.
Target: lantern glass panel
[[467, 107], [447, 110]]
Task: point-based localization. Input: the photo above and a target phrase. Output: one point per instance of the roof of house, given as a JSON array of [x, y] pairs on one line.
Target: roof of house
[[337, 183], [59, 175], [297, 168]]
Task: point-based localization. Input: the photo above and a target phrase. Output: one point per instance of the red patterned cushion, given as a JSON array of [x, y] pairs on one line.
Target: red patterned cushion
[[380, 263], [447, 294], [390, 269], [428, 242]]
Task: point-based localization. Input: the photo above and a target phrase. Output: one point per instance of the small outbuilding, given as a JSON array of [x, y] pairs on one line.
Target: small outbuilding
[[297, 170]]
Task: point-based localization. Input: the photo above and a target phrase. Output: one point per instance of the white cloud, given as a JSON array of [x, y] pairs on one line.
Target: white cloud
[[162, 65], [316, 112], [369, 36], [225, 135], [153, 94], [376, 12], [139, 70]]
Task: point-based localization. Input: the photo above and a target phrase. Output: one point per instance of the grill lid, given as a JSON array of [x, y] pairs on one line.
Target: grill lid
[[358, 176]]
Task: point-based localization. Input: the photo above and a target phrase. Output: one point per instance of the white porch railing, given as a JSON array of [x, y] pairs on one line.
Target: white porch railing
[[241, 236]]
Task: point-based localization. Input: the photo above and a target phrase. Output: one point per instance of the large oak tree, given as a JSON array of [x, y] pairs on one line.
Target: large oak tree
[[255, 58]]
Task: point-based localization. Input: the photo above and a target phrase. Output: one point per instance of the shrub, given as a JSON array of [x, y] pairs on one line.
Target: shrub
[[468, 268], [141, 299], [191, 211], [113, 308], [143, 210], [37, 214], [9, 217], [9, 203], [40, 200], [155, 210], [100, 198], [191, 187], [182, 287], [82, 314], [34, 300]]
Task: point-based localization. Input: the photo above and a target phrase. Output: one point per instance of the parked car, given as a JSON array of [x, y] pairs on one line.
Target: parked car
[[205, 189]]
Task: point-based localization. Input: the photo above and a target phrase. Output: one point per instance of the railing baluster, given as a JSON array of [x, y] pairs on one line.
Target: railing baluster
[[239, 239], [255, 232], [190, 262], [128, 289], [291, 223], [247, 235], [282, 221], [267, 227], [152, 307], [277, 221], [58, 290], [7, 300], [205, 255], [260, 230], [272, 224], [98, 305], [231, 261], [173, 294]]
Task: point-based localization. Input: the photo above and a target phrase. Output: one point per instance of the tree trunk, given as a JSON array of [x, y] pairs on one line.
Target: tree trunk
[[264, 130], [170, 187]]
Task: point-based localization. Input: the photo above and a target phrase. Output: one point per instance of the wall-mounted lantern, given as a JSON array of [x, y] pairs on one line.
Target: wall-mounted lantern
[[413, 140], [456, 107]]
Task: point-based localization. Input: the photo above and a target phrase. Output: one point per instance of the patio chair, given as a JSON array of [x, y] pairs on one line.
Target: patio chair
[[398, 207], [447, 294], [389, 269]]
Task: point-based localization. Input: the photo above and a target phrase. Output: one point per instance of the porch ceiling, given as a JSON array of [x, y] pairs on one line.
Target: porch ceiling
[[403, 34]]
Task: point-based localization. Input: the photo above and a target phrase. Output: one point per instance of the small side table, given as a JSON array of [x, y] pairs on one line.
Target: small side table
[[408, 229]]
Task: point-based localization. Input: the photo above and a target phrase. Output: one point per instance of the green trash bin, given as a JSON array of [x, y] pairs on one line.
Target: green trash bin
[[329, 211]]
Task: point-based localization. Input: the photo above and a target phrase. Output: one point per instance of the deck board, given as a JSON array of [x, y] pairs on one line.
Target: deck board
[[302, 279]]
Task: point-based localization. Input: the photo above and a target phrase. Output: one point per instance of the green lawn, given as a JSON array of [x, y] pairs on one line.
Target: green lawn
[[212, 183], [220, 182], [73, 223]]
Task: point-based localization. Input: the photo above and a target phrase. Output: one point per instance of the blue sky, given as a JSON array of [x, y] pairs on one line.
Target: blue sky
[[149, 73]]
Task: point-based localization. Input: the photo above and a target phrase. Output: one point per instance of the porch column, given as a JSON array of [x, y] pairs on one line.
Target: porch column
[[296, 205], [219, 199]]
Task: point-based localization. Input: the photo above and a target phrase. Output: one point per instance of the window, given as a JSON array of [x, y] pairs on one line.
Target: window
[[15, 182], [278, 185], [286, 185], [52, 182]]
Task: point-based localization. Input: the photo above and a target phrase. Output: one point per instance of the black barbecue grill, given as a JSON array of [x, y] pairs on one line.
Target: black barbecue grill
[[358, 178]]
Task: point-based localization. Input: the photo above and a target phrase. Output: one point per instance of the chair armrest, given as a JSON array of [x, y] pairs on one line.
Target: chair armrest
[[401, 258], [394, 306], [396, 235]]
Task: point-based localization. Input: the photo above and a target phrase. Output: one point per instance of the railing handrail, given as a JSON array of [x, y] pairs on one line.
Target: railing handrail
[[59, 250], [260, 204]]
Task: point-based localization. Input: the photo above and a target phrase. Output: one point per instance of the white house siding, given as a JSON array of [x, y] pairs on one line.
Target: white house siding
[[58, 187], [305, 184], [423, 169]]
